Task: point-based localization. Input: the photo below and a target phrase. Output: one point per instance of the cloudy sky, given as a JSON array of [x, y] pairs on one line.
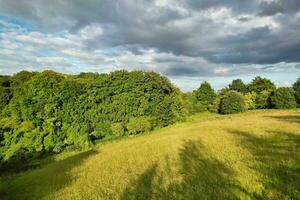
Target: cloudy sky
[[187, 40]]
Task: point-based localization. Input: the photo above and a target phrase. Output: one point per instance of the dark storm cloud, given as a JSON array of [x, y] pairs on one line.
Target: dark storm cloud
[[217, 31], [185, 71], [280, 6]]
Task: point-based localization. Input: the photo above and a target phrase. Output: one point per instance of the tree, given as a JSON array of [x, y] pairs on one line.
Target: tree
[[232, 102], [283, 98], [50, 112], [296, 87], [260, 84], [262, 100], [5, 91], [238, 85], [250, 100], [205, 94]]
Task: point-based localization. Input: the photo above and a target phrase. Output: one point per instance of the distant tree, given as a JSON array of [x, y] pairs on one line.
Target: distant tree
[[262, 100], [205, 94], [260, 84], [232, 102], [223, 91], [296, 87], [283, 98], [238, 85]]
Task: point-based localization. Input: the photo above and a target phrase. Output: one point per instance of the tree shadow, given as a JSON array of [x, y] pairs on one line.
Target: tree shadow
[[277, 160], [42, 182], [286, 118], [201, 177]]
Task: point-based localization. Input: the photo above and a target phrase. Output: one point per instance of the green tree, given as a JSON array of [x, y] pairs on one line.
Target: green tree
[[232, 102], [296, 87], [205, 94], [238, 85], [260, 84], [262, 100], [250, 100], [283, 98], [73, 111], [5, 91]]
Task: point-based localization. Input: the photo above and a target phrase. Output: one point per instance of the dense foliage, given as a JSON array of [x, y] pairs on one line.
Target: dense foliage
[[205, 95], [232, 102], [250, 100], [262, 100], [49, 112], [238, 85], [260, 84], [296, 87], [283, 98]]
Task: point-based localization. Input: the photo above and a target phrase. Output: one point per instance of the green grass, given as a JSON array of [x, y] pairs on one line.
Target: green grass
[[254, 155]]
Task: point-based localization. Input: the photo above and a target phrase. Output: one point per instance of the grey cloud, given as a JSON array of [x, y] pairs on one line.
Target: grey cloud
[[232, 32], [279, 6]]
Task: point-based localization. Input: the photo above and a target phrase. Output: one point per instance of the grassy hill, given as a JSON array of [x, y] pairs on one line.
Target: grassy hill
[[255, 155]]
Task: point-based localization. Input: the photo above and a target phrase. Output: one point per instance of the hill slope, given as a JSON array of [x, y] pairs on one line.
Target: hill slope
[[255, 155]]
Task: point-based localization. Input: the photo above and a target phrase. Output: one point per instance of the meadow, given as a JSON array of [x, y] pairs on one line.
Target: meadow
[[252, 155]]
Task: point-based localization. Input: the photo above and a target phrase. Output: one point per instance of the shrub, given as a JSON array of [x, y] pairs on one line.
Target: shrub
[[232, 102], [296, 87], [117, 129], [138, 125], [215, 106], [283, 98], [101, 130], [262, 100], [250, 100]]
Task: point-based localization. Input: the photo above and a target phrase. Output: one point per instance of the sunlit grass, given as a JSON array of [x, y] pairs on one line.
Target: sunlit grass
[[255, 155]]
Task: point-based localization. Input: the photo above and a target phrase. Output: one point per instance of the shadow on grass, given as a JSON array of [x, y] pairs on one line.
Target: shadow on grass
[[277, 160], [286, 118], [42, 182], [201, 178]]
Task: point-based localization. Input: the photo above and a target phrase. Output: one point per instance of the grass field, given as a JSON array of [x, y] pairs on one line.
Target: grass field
[[255, 155]]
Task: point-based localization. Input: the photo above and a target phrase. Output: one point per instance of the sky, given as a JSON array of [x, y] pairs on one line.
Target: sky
[[190, 41]]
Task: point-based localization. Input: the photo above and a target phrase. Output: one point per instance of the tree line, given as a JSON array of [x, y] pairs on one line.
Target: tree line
[[49, 112], [260, 93]]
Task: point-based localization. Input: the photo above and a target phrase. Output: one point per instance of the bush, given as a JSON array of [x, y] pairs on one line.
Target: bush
[[250, 100], [262, 100], [215, 106], [296, 87], [138, 125], [117, 129], [232, 102], [102, 130], [283, 98]]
